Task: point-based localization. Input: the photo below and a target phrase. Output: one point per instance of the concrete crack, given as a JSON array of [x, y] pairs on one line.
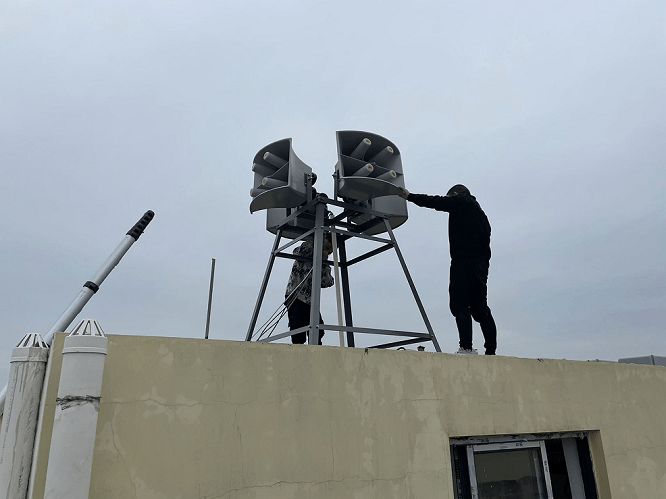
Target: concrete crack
[[115, 445], [129, 402], [240, 441], [282, 482], [330, 432]]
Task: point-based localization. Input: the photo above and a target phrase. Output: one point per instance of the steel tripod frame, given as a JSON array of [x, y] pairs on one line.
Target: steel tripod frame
[[345, 231]]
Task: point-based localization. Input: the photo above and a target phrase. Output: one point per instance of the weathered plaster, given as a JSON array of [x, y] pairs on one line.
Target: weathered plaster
[[195, 419]]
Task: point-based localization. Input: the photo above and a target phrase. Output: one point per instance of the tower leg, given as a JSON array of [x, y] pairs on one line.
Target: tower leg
[[346, 296], [317, 259], [264, 284], [412, 287]]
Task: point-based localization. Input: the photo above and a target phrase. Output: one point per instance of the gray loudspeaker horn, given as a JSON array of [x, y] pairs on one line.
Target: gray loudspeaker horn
[[369, 172], [279, 177], [369, 166]]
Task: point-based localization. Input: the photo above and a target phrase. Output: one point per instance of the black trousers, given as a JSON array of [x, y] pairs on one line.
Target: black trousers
[[299, 316], [468, 299]]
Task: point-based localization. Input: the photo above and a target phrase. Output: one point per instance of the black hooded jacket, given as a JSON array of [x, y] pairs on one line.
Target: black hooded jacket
[[469, 229]]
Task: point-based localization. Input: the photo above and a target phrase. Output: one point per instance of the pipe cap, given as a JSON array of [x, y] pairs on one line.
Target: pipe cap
[[32, 340], [88, 327]]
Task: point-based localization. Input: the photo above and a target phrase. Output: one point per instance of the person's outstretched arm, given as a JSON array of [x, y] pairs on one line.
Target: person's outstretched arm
[[439, 203]]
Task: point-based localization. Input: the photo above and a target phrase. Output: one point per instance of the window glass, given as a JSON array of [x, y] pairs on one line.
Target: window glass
[[510, 474]]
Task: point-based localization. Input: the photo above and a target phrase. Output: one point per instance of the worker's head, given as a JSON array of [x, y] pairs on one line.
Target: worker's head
[[458, 190]]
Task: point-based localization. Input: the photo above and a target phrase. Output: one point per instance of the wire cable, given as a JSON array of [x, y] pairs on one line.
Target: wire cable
[[272, 322]]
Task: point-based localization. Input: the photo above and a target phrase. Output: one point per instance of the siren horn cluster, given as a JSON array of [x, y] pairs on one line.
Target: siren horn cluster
[[368, 174]]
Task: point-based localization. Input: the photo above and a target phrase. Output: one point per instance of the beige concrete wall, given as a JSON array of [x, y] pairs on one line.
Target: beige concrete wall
[[195, 419]]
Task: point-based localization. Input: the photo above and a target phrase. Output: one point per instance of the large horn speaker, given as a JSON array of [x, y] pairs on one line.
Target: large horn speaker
[[279, 177], [369, 172]]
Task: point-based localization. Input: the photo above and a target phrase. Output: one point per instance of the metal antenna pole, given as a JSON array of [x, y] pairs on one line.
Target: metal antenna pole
[[316, 273], [210, 296], [91, 286], [338, 300]]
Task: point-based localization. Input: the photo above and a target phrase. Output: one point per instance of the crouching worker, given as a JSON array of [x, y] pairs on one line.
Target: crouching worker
[[299, 287]]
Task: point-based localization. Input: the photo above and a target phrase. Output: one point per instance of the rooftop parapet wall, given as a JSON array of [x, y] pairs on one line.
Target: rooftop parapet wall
[[184, 418]]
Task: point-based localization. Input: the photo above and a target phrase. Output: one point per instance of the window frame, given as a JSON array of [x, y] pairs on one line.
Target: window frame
[[474, 449], [575, 448]]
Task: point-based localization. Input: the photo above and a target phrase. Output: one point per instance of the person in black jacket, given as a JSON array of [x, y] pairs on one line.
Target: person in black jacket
[[469, 243]]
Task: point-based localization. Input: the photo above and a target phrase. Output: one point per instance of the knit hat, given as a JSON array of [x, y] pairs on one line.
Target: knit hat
[[458, 189]]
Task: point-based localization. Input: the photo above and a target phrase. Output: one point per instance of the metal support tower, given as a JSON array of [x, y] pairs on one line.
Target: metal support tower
[[316, 209]]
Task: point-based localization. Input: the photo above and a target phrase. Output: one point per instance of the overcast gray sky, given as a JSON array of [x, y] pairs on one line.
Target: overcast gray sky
[[552, 113]]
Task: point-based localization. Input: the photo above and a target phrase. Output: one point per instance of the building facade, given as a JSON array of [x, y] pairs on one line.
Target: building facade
[[202, 419]]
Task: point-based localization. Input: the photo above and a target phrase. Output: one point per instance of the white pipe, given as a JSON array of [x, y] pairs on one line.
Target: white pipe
[[75, 420], [19, 424], [90, 288]]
